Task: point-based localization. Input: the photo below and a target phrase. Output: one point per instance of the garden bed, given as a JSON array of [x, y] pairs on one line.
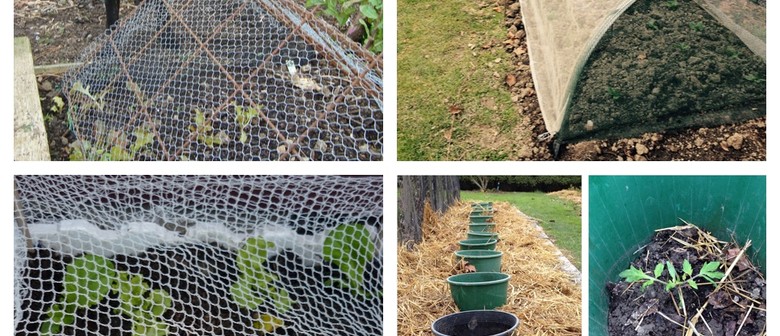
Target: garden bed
[[540, 293], [734, 305]]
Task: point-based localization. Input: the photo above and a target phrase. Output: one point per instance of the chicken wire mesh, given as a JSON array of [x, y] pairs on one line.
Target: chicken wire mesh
[[225, 80], [619, 68], [198, 255]]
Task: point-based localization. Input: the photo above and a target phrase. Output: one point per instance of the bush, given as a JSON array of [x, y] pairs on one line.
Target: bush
[[523, 183]]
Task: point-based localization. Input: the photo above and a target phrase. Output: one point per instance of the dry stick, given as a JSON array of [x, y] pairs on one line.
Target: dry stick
[[744, 319], [707, 325], [670, 320]]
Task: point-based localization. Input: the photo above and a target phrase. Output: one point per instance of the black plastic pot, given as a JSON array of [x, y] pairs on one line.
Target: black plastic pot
[[476, 323]]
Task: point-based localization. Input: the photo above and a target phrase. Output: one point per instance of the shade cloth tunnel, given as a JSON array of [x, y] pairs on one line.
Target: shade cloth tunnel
[[626, 210], [620, 68]]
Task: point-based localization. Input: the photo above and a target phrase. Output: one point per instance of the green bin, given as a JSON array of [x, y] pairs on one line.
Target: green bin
[[482, 260], [481, 219], [626, 210], [481, 290]]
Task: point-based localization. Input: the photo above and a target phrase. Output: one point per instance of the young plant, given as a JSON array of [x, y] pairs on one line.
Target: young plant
[[204, 130], [682, 46], [614, 93], [696, 26], [349, 247], [708, 272], [369, 17], [753, 78], [671, 4], [255, 285], [143, 305], [731, 52], [244, 117], [87, 280], [652, 24]]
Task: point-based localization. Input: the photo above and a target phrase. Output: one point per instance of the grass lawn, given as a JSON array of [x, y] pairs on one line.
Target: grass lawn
[[452, 101], [560, 219]]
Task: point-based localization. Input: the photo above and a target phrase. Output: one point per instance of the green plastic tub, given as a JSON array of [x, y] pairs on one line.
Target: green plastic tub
[[480, 323], [625, 211], [481, 290], [482, 260], [483, 227], [479, 219], [477, 244], [481, 235]]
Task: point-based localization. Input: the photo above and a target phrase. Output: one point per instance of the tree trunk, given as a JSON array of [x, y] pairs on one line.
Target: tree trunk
[[439, 191]]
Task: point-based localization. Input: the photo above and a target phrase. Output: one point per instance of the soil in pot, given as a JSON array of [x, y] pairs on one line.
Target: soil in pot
[[661, 67], [476, 323], [739, 304]]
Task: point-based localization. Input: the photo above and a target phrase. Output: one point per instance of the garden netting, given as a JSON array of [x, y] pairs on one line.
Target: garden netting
[[619, 68], [225, 80], [198, 255]]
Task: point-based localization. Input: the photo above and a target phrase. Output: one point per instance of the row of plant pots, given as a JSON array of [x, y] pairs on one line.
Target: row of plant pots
[[478, 293]]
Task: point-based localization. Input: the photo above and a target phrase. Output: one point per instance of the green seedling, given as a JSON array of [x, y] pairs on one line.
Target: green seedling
[[349, 247], [244, 117], [708, 272], [682, 46], [255, 286], [204, 130], [141, 304], [671, 4], [652, 24], [731, 52], [87, 280], [753, 78], [58, 104], [614, 93], [696, 26]]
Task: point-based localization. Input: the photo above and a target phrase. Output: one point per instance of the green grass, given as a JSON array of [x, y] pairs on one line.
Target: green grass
[[441, 64], [560, 219]]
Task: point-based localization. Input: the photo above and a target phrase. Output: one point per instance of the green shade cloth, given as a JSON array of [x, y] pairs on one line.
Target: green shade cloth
[[626, 210]]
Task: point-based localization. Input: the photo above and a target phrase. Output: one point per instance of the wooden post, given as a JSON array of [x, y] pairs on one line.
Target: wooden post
[[30, 143]]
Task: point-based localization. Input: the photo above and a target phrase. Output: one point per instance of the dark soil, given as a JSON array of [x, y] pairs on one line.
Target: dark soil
[[734, 140], [633, 311], [198, 276], [661, 68]]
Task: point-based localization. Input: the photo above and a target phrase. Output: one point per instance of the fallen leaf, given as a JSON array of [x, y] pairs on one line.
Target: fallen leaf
[[455, 110], [448, 135], [511, 80]]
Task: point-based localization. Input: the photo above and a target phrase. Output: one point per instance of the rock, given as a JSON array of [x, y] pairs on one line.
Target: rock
[[589, 125], [511, 80], [735, 141], [519, 51], [514, 7], [639, 158], [641, 149], [698, 142], [525, 92], [46, 85]]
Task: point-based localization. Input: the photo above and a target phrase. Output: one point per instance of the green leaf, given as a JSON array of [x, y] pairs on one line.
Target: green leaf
[[709, 267], [253, 254], [633, 274], [159, 301], [659, 269], [312, 3], [89, 277], [647, 283], [143, 137], [349, 246], [669, 286], [369, 11], [687, 268], [242, 293], [671, 270], [693, 284]]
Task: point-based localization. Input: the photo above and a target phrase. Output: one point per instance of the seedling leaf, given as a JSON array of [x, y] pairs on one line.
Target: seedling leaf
[[659, 269], [687, 268]]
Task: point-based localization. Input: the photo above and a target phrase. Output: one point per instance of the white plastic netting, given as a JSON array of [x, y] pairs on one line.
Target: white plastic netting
[[198, 255], [652, 77], [226, 80]]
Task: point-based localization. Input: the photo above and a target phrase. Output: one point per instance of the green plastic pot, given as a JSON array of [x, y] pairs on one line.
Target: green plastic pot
[[480, 290], [481, 213], [477, 244], [483, 227], [479, 219], [626, 210], [482, 260], [482, 322], [482, 235]]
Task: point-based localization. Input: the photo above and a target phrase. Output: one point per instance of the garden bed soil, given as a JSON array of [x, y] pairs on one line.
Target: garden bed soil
[[197, 276], [744, 140], [661, 67], [61, 31], [739, 304]]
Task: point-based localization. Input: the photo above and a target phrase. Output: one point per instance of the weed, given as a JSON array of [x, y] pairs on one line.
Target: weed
[[732, 52], [753, 78], [696, 26], [682, 46]]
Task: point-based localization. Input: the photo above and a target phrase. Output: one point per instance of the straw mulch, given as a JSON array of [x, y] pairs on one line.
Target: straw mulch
[[540, 293], [573, 195]]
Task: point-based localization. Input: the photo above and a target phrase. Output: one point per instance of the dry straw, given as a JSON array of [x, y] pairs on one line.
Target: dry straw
[[541, 294]]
